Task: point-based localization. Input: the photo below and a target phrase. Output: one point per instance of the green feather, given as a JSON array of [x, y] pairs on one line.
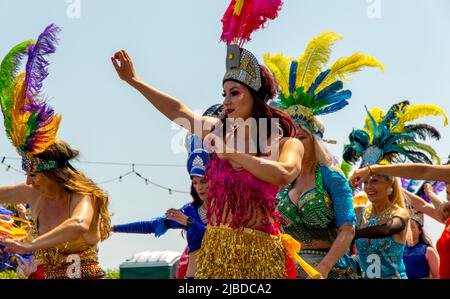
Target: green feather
[[8, 73]]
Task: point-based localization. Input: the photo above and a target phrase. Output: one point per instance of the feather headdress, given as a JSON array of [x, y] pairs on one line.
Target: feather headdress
[[306, 89], [30, 123], [389, 138], [241, 19]]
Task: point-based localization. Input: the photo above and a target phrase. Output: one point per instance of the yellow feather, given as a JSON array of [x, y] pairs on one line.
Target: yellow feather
[[378, 115], [49, 136], [414, 112], [316, 56], [346, 66], [238, 7], [279, 65], [19, 119]]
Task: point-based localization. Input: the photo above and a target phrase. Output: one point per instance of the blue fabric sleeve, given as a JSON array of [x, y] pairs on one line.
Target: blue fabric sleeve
[[158, 226], [341, 194], [198, 227]]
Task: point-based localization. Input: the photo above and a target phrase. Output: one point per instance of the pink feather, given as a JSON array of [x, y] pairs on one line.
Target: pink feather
[[253, 17]]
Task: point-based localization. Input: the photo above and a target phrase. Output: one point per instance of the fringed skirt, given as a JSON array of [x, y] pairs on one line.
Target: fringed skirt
[[228, 253]]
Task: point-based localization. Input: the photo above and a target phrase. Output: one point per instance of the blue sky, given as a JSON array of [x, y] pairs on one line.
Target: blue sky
[[175, 46]]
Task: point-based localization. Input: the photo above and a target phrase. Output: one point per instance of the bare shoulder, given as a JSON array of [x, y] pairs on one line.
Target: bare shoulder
[[291, 143], [402, 213]]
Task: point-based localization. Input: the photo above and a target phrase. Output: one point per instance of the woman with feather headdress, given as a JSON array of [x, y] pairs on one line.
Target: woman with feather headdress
[[243, 238], [69, 211], [382, 227], [317, 206]]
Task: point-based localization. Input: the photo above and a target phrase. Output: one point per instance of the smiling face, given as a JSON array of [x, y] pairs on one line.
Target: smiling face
[[238, 101], [376, 188], [201, 186]]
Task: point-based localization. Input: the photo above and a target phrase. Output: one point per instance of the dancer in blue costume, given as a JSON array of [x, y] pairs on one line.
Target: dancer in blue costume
[[382, 227], [191, 217]]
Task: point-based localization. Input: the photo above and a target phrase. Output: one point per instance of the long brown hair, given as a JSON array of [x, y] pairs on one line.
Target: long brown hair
[[75, 182]]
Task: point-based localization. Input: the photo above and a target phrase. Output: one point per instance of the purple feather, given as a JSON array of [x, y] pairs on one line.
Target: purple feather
[[405, 183], [36, 69], [438, 187]]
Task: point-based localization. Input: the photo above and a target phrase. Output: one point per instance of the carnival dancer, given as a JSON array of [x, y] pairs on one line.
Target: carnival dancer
[[69, 212], [420, 171], [191, 217], [382, 227], [243, 238], [420, 258], [317, 207]]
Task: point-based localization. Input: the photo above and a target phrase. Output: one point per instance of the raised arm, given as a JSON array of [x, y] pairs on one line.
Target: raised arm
[[172, 108], [435, 199], [407, 171], [422, 206], [281, 172], [21, 193]]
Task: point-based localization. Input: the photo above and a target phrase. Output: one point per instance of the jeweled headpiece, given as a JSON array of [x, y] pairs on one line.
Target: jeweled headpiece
[[389, 138], [30, 123], [242, 18], [306, 90]]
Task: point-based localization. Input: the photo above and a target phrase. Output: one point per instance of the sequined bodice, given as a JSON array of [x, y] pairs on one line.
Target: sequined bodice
[[241, 194], [380, 258], [312, 218]]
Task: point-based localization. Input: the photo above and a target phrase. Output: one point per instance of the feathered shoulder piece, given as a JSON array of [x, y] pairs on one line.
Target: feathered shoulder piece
[[30, 123], [310, 89], [392, 138]]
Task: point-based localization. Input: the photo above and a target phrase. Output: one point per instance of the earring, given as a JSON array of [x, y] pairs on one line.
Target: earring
[[390, 190]]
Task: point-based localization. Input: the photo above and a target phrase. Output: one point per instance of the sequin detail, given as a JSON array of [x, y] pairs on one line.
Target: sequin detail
[[228, 253]]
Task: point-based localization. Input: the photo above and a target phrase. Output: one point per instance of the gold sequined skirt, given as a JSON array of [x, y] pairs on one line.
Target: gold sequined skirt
[[60, 265], [228, 253]]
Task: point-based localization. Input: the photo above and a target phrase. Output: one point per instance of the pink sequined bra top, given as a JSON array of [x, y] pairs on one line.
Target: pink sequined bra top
[[242, 194]]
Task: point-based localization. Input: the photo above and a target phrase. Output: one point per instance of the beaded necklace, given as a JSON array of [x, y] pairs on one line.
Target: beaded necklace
[[384, 215]]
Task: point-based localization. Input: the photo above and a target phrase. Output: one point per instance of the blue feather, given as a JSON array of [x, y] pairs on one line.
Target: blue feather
[[338, 97], [332, 108], [160, 228], [293, 77], [318, 81], [330, 90]]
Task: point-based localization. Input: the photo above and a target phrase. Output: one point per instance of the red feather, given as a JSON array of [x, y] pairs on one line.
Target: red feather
[[253, 16]]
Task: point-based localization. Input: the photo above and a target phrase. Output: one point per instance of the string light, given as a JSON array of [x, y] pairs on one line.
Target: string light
[[119, 178]]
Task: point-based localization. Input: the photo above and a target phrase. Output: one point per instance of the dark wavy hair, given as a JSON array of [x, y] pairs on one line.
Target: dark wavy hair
[[196, 200]]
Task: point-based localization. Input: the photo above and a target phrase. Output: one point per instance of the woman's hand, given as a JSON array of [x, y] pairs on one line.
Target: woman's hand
[[16, 246], [177, 216], [125, 69], [28, 267], [359, 176], [324, 270], [428, 189]]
